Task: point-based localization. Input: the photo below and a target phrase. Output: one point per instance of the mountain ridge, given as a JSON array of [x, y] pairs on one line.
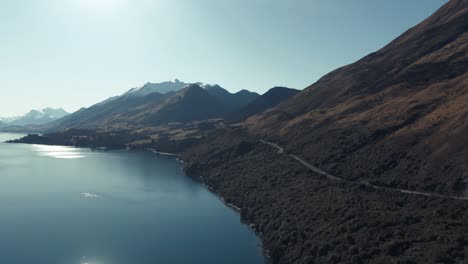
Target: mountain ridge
[[162, 88], [270, 99], [233, 101]]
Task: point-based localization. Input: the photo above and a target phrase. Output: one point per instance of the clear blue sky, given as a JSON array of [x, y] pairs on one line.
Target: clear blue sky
[[74, 53]]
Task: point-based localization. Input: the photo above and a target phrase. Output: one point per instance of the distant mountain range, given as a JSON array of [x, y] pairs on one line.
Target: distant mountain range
[[151, 105], [155, 104], [34, 117], [7, 119]]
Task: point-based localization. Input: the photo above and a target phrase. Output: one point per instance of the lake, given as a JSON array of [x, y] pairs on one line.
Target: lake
[[75, 206]]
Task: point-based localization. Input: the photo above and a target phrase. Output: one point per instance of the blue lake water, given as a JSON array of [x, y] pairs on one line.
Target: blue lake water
[[61, 205]]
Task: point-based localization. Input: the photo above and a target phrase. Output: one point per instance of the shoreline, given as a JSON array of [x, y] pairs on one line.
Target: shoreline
[[276, 190], [163, 153], [237, 209], [198, 179]]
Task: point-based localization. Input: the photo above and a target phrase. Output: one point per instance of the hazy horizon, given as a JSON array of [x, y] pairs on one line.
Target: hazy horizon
[[74, 53]]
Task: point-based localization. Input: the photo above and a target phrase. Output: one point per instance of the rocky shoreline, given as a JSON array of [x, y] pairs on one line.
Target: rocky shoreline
[[234, 207]]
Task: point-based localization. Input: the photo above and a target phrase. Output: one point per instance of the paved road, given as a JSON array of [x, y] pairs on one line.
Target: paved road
[[280, 149], [315, 169], [368, 184]]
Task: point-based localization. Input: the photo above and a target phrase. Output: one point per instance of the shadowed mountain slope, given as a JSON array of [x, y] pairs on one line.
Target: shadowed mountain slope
[[190, 104], [129, 111], [397, 117]]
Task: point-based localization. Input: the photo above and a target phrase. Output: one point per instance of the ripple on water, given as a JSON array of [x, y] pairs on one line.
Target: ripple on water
[[58, 152], [89, 195]]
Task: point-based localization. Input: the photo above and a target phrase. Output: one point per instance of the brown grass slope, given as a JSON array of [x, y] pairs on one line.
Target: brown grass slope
[[397, 117]]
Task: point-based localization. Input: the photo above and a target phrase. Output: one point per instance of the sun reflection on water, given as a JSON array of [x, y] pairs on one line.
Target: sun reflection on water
[[85, 261], [58, 152]]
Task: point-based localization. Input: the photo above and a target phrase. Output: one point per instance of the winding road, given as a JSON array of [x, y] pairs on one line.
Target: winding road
[[315, 169]]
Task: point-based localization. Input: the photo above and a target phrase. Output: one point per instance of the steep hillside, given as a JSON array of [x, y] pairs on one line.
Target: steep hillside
[[270, 99], [303, 217], [398, 117]]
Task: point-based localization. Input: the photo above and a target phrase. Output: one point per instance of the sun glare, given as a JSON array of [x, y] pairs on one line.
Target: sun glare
[[106, 4]]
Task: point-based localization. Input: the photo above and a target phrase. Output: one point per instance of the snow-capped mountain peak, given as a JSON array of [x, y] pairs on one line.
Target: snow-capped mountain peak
[[36, 117], [163, 88]]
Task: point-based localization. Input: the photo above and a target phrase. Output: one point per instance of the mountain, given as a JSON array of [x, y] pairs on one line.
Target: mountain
[[8, 119], [270, 99], [55, 113], [128, 111], [36, 117], [233, 101], [33, 117], [397, 117], [190, 104], [162, 88], [156, 104], [117, 112]]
